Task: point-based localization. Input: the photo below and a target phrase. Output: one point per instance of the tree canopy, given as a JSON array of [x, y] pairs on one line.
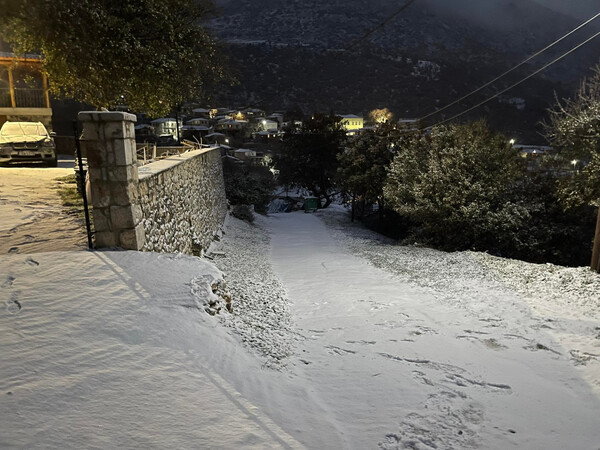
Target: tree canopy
[[364, 163], [574, 130], [308, 158], [150, 54]]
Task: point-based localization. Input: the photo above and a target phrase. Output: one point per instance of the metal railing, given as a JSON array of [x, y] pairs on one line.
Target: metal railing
[[147, 153], [24, 98]]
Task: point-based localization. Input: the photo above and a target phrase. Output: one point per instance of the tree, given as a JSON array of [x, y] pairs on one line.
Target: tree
[[364, 163], [574, 130], [248, 184], [455, 182], [382, 115], [308, 157], [150, 54]]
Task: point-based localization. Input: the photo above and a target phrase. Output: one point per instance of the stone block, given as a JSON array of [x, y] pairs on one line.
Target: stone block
[[125, 153], [96, 174], [133, 238], [125, 216], [123, 193], [105, 239], [123, 174], [101, 194], [96, 153], [101, 220], [105, 116]]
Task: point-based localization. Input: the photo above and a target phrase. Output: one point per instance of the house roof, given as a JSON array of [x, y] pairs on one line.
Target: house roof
[[195, 127], [214, 135], [163, 120], [349, 116]]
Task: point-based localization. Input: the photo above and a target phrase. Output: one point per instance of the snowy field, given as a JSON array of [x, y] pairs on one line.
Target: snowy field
[[338, 339]]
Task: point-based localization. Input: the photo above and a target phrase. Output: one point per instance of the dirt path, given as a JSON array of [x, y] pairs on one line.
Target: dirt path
[[32, 218]]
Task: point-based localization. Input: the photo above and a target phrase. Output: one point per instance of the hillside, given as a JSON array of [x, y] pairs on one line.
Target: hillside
[[301, 53]]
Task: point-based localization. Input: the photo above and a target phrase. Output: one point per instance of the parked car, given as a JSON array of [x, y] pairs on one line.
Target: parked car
[[26, 141]]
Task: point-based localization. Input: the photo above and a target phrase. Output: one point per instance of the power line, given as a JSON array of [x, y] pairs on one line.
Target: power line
[[518, 82], [381, 25], [511, 69]]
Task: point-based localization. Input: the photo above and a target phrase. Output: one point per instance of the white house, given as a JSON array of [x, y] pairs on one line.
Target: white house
[[165, 126], [244, 154], [199, 121], [351, 123]]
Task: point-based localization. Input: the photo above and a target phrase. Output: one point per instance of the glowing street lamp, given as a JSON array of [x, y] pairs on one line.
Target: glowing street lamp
[[512, 142]]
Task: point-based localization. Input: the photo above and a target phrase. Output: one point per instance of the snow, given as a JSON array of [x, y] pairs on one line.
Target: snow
[[112, 350], [339, 338]]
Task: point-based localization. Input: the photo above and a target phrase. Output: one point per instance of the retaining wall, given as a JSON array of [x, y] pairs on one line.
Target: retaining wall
[[173, 205]]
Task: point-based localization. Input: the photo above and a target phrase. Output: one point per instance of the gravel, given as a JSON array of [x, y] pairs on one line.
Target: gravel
[[261, 315]]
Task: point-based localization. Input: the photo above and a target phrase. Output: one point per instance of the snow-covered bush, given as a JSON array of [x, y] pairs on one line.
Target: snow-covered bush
[[455, 182], [243, 212], [466, 188], [574, 130]]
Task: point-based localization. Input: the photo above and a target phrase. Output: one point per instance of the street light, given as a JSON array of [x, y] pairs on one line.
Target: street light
[[512, 142]]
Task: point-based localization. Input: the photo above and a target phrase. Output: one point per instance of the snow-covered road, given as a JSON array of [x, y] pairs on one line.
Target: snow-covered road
[[32, 217], [338, 339], [392, 364]]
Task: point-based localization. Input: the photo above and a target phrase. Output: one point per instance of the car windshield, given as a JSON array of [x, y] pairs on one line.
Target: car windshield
[[23, 129]]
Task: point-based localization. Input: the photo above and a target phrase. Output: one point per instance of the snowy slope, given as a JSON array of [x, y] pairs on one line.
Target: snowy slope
[[339, 339], [114, 350]]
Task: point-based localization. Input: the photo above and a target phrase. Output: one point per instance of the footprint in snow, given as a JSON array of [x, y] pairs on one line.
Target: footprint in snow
[[536, 347], [31, 261], [13, 306], [490, 343], [338, 350], [362, 342], [580, 358], [8, 282]]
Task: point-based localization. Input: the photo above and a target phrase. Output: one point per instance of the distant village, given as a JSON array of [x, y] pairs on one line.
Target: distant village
[[244, 134]]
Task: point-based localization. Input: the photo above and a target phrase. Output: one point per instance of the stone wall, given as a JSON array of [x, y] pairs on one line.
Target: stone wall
[[176, 204], [183, 201]]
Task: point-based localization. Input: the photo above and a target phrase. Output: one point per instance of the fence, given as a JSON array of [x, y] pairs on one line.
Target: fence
[[147, 153], [24, 98]]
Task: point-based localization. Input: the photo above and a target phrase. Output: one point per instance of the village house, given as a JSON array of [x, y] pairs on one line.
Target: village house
[[351, 123], [165, 126], [24, 94], [199, 121]]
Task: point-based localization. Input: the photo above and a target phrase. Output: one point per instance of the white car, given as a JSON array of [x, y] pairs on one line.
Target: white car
[[26, 141]]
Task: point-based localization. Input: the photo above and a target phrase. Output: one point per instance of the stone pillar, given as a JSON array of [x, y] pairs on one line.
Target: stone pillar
[[109, 140]]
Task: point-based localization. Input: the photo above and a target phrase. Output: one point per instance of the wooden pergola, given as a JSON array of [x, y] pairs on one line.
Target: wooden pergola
[[34, 63]]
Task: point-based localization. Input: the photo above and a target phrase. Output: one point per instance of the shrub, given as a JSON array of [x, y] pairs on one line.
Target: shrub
[[455, 182], [248, 184], [243, 212]]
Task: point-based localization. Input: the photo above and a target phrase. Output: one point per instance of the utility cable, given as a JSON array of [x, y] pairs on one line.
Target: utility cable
[[381, 25], [512, 69], [518, 82]]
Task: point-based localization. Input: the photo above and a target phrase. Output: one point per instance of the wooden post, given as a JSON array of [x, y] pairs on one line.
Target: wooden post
[[11, 83], [596, 249], [45, 85]]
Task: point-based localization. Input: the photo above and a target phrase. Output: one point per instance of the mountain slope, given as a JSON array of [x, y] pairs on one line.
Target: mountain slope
[[305, 52]]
